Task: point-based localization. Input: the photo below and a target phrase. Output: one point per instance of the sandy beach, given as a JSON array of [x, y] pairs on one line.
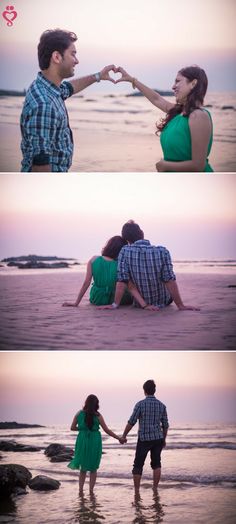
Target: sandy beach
[[32, 317], [116, 133]]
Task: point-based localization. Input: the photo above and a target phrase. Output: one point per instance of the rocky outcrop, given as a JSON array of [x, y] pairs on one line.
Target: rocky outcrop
[[11, 445], [13, 477], [16, 425], [43, 483], [59, 453]]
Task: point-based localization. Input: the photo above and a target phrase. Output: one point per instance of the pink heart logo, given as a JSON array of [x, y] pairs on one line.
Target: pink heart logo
[[9, 15]]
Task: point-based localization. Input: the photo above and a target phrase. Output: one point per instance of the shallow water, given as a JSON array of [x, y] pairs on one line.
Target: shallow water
[[197, 485]]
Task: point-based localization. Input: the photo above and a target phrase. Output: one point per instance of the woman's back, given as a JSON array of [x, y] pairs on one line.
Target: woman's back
[[104, 273]]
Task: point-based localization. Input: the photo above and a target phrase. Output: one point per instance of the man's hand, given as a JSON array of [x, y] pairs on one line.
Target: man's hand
[[188, 308], [104, 73], [69, 304], [149, 307], [122, 440]]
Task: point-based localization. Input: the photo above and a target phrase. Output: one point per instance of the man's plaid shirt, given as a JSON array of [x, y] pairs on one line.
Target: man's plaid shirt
[[152, 416], [149, 267], [46, 135]]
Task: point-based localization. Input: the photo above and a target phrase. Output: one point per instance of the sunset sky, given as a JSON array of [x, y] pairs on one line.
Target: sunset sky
[[74, 215], [48, 388], [152, 39]]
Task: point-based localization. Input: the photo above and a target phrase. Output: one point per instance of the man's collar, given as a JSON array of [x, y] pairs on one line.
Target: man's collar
[[48, 84]]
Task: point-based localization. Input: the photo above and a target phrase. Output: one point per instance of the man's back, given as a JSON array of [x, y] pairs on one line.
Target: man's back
[[149, 267], [152, 416]]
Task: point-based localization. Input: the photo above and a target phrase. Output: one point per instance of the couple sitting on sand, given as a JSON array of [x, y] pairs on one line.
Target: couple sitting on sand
[[130, 270], [153, 427]]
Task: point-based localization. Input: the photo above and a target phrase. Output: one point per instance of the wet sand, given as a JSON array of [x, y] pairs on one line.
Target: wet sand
[[32, 317], [108, 151]]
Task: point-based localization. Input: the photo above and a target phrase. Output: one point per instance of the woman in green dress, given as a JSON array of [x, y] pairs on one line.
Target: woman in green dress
[[103, 271], [186, 131], [88, 447]]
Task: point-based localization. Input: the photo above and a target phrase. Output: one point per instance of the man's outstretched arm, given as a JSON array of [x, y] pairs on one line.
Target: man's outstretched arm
[[173, 289]]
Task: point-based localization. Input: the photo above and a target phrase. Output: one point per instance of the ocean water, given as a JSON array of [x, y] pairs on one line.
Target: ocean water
[[197, 485], [121, 132], [207, 266]]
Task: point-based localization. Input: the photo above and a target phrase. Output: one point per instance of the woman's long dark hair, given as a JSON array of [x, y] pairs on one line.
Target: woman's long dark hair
[[194, 98], [113, 247], [91, 408]]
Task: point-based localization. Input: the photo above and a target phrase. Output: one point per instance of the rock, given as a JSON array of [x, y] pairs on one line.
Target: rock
[[12, 477], [43, 483], [16, 425], [62, 457], [11, 445], [58, 449]]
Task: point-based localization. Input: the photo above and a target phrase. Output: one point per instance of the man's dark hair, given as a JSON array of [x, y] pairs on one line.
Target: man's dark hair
[[131, 232], [149, 387], [53, 40]]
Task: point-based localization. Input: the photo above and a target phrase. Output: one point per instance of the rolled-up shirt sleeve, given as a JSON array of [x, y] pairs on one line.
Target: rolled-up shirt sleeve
[[135, 415], [123, 274], [167, 272]]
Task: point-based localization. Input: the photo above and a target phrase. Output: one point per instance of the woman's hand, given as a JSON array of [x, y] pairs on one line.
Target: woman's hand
[[122, 440], [125, 77], [69, 304], [160, 166]]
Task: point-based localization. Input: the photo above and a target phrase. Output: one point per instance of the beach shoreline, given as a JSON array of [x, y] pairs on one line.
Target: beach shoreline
[[32, 317]]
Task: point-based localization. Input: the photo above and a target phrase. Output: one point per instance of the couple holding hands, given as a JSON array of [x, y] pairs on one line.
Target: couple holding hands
[[186, 130], [153, 426]]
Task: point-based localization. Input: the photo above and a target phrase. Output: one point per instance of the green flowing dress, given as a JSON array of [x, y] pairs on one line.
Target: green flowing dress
[[102, 291], [88, 447], [176, 141]]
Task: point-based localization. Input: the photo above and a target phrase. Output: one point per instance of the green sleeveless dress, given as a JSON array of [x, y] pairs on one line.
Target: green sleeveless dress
[[102, 291], [88, 447], [176, 141]]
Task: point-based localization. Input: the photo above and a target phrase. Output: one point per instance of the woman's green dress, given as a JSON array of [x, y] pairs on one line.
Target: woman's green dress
[[176, 141], [88, 447], [102, 291]]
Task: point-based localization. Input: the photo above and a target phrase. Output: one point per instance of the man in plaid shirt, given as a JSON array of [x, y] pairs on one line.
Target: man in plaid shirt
[[47, 141], [149, 268], [152, 432]]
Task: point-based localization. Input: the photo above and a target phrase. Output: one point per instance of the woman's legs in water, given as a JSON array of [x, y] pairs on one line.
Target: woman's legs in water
[[92, 480], [82, 477]]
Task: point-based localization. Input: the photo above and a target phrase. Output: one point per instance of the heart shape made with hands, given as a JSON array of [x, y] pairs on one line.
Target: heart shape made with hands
[[115, 75]]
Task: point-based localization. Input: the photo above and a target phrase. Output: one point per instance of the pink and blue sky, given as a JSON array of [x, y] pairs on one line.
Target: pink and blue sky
[[49, 387], [152, 39], [71, 215]]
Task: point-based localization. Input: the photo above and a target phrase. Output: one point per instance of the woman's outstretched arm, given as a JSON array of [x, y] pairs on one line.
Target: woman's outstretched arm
[[85, 285], [154, 97], [109, 431]]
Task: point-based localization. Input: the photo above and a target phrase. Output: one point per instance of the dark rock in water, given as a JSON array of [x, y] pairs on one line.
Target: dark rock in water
[[12, 477], [58, 449], [231, 285], [11, 445], [43, 483], [62, 457], [16, 425], [228, 107], [159, 91]]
